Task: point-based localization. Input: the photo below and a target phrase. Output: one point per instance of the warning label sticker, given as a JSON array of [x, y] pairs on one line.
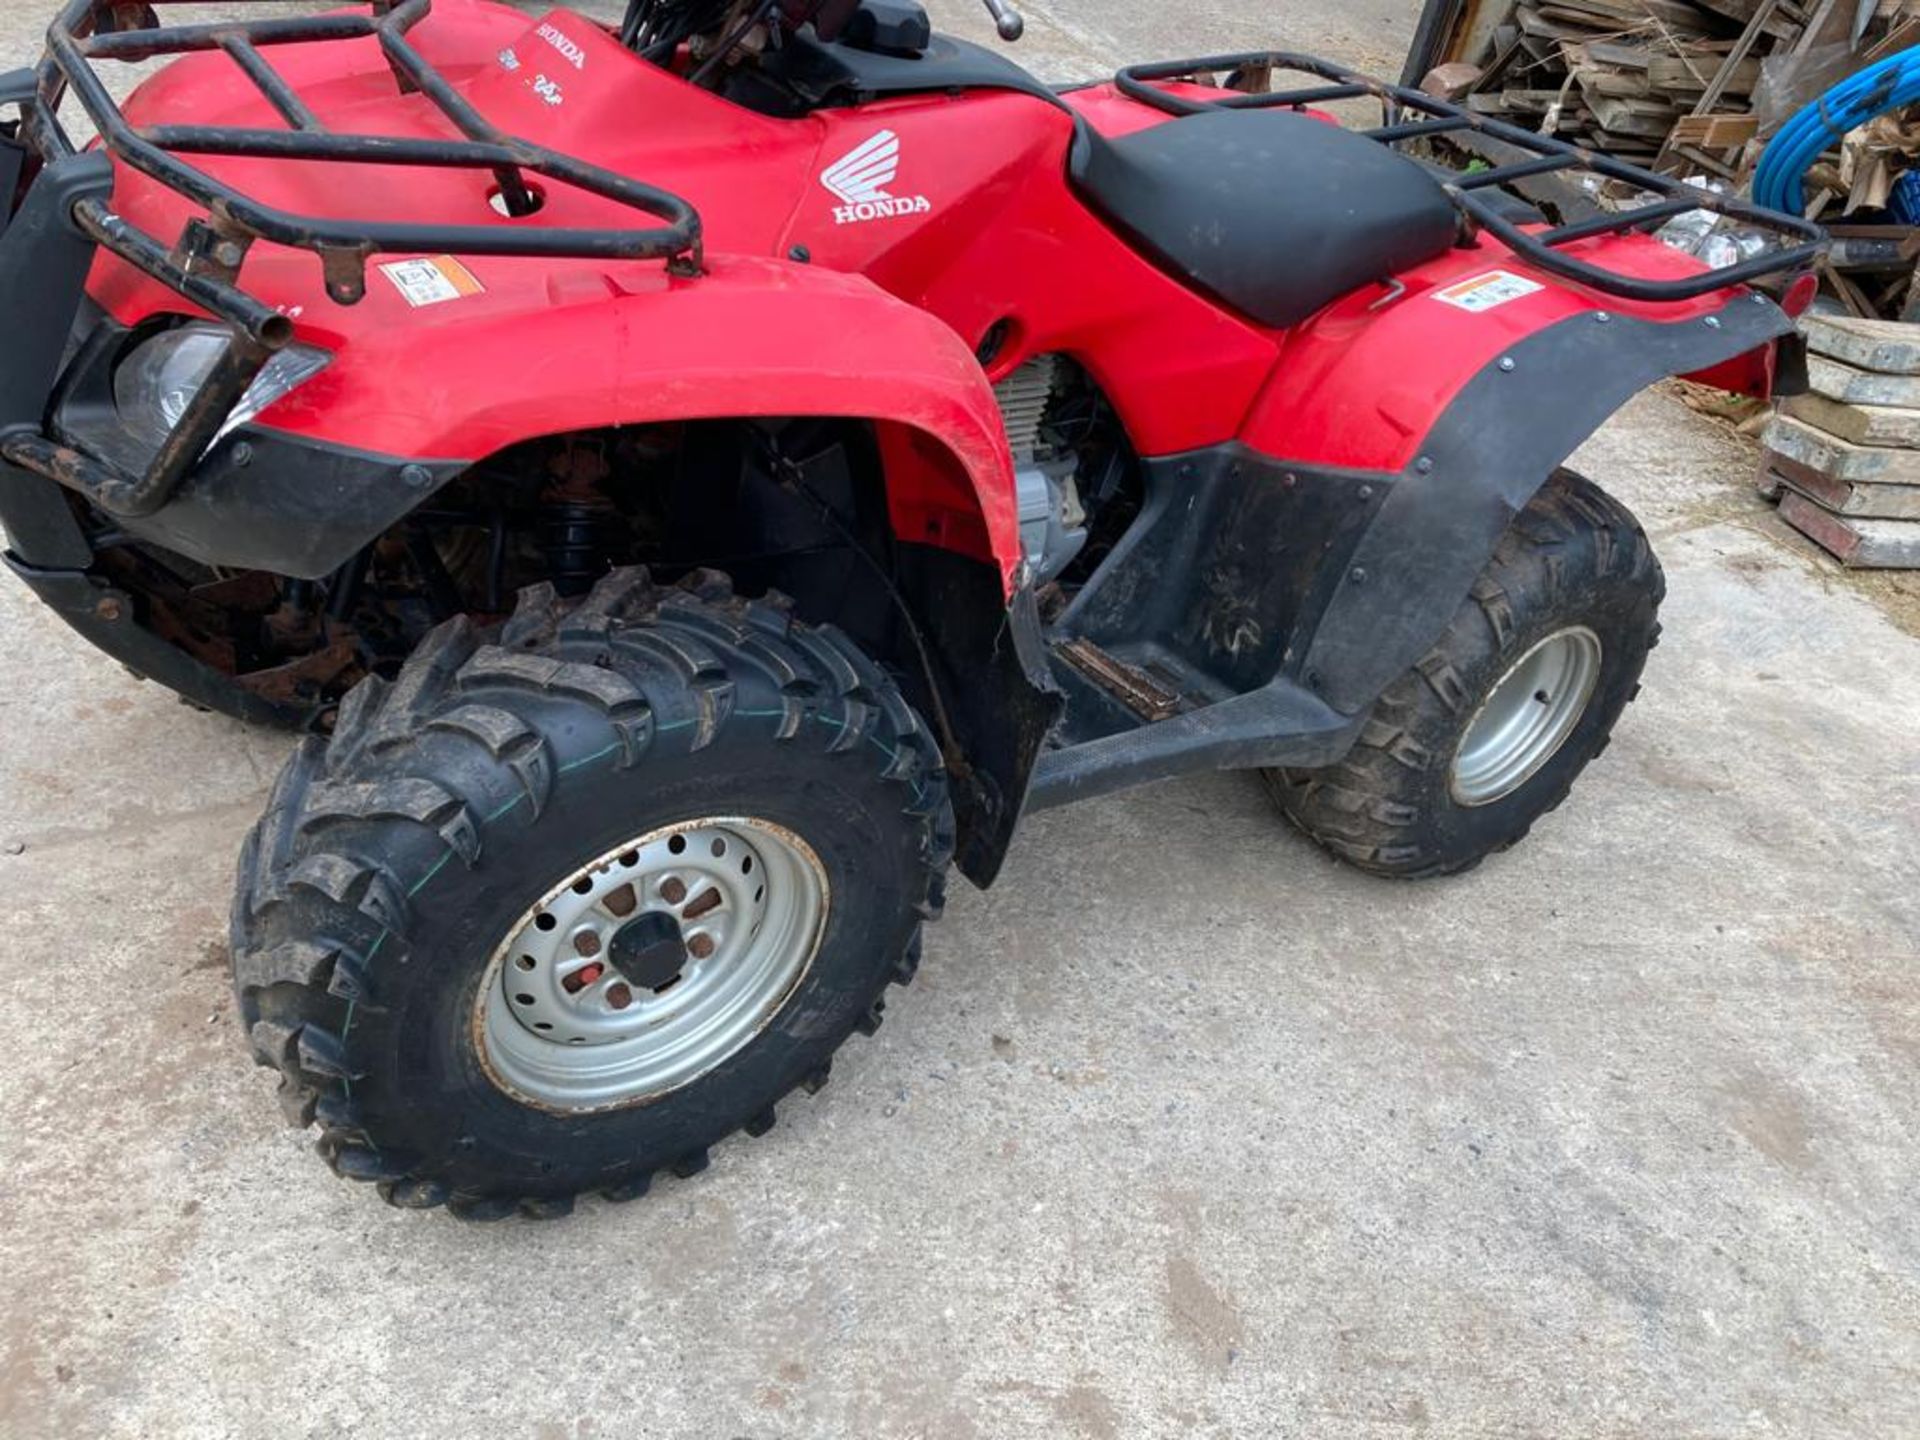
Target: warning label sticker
[[431, 282], [1488, 292]]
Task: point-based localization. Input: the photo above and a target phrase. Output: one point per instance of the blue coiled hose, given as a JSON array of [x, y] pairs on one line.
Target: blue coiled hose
[[1780, 181]]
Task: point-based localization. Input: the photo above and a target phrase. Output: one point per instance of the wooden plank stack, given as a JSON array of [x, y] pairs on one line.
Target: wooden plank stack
[[1654, 82], [1844, 461]]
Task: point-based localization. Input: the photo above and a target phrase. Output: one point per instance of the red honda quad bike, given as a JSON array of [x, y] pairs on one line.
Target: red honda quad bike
[[695, 481]]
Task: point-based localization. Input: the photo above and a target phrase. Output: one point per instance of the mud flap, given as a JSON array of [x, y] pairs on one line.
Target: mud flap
[[996, 690]]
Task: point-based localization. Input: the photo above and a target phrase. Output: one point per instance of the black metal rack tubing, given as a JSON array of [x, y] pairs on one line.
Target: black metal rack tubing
[[1628, 287], [391, 30], [1412, 130], [144, 253], [292, 108], [1612, 224], [490, 154], [153, 151], [133, 45], [1520, 170], [1803, 242], [1289, 99]]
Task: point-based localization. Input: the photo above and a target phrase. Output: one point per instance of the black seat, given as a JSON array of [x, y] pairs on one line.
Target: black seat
[[1273, 213]]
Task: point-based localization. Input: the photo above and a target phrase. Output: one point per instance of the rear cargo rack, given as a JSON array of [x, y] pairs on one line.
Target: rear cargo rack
[[202, 264], [1803, 243]]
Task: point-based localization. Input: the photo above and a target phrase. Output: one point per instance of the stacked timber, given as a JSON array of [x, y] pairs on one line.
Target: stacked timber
[[1666, 83], [1844, 460], [1617, 75]]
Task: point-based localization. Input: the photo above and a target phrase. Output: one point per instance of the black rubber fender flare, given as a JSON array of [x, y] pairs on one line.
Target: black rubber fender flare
[[1514, 424]]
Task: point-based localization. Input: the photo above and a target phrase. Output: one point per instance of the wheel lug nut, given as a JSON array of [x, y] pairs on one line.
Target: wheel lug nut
[[587, 943], [673, 890], [619, 997], [700, 946]]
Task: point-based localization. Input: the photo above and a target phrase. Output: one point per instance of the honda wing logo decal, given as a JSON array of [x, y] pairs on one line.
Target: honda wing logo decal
[[861, 177]]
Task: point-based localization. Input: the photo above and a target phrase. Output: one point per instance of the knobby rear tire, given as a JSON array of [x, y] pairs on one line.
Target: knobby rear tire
[[1574, 556]]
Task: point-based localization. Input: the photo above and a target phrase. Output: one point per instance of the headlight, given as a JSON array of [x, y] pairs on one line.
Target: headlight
[[153, 386]]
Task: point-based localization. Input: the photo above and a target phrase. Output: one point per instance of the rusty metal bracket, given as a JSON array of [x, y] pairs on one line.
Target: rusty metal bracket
[[345, 269], [204, 250]]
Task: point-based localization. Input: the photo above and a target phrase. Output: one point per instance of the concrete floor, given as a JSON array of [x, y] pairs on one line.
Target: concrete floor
[[1187, 1130]]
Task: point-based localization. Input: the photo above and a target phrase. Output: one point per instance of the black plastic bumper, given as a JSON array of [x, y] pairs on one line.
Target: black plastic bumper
[[261, 500]]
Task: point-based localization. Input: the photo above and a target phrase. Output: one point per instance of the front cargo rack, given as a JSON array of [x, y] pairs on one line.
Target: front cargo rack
[[75, 41], [202, 264], [1249, 75]]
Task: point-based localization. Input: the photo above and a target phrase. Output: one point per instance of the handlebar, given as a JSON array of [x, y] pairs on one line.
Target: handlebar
[[1010, 23]]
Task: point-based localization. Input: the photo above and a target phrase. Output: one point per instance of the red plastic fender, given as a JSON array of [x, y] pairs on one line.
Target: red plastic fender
[[750, 338], [1361, 384]]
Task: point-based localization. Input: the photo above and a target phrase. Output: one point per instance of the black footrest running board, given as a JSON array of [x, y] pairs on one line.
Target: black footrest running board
[[1282, 724]]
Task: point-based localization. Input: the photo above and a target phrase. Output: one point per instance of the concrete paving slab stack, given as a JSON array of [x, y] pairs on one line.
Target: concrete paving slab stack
[[1844, 460]]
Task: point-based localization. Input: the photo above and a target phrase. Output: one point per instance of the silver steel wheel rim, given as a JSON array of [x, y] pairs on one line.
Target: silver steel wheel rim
[[1531, 713], [559, 1025]]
